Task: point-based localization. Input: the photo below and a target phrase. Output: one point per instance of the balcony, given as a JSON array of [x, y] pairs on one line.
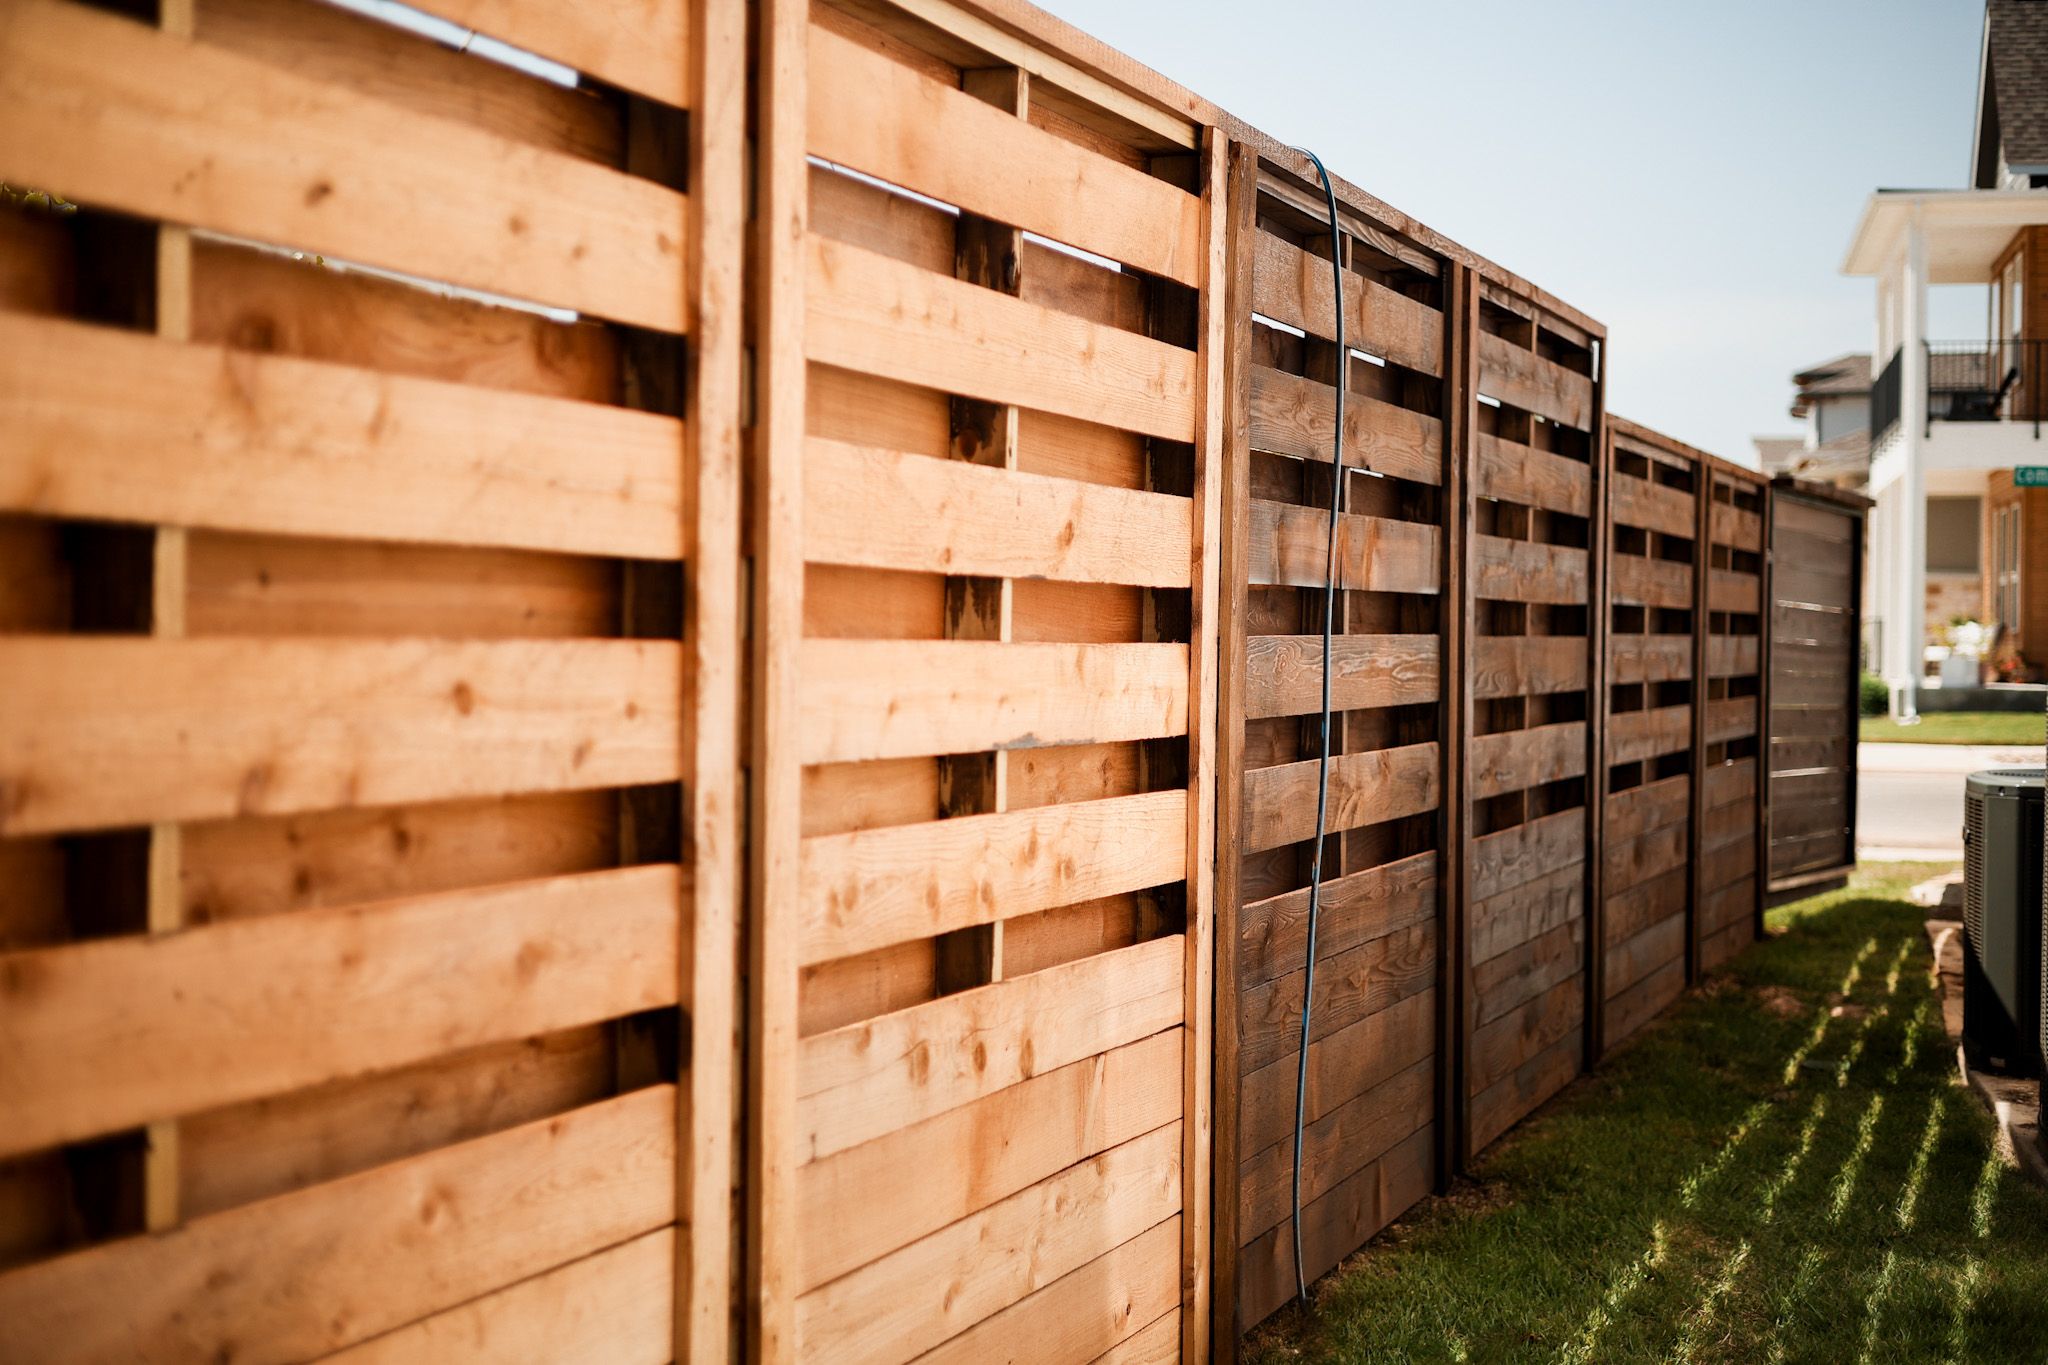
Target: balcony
[[1968, 381]]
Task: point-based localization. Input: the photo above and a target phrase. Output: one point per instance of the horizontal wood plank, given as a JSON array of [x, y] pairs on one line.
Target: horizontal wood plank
[[118, 426], [873, 888], [1293, 286], [1519, 759], [859, 1082], [125, 731], [1097, 1306], [1652, 506], [1508, 471], [919, 1297], [1284, 673], [1528, 665], [884, 509], [1637, 581], [1290, 547], [867, 1201], [639, 45], [1365, 788], [125, 116], [883, 118], [1521, 378], [305, 1274], [1523, 571], [614, 1308], [869, 313], [864, 699], [114, 1033], [1292, 415]]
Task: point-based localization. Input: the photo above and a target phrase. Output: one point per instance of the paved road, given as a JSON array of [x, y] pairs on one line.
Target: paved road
[[1909, 797]]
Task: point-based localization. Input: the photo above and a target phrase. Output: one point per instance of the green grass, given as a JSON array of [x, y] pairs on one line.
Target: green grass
[[1756, 1178], [1959, 727]]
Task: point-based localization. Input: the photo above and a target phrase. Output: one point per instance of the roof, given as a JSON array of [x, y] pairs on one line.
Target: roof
[[1966, 230], [1844, 374], [1847, 454], [2012, 91], [1775, 454]]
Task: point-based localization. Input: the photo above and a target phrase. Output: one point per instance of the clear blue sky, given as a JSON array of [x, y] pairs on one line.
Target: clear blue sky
[[1688, 174]]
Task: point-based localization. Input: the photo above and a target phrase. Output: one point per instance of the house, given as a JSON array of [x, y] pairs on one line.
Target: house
[[1956, 424], [1833, 400]]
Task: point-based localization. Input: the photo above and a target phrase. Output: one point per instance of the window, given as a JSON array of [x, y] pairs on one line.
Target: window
[[1953, 535], [2005, 565]]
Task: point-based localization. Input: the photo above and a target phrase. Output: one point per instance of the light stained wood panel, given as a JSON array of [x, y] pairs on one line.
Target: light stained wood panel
[[133, 119], [108, 731], [246, 442], [115, 1032]]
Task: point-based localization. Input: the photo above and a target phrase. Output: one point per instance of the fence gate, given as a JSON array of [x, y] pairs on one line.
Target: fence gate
[[1816, 604]]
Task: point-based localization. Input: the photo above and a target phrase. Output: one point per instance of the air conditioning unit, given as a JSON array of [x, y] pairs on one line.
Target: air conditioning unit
[[2002, 836]]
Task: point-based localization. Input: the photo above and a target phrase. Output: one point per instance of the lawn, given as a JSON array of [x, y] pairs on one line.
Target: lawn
[[1959, 727], [1784, 1168]]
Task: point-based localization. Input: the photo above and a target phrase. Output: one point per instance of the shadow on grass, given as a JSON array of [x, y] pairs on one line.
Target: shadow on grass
[[1783, 1168]]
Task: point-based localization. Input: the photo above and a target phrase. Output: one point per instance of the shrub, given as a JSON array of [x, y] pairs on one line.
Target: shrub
[[1873, 698]]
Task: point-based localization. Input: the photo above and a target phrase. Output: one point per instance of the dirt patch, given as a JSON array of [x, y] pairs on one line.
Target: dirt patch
[[1780, 1001]]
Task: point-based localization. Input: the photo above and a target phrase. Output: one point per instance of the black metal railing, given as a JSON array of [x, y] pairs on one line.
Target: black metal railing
[[1968, 381], [1885, 396]]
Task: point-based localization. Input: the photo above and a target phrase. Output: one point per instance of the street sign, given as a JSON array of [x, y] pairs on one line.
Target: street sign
[[2030, 476]]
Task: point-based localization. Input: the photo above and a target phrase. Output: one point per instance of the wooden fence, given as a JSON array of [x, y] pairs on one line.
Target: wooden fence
[[411, 715]]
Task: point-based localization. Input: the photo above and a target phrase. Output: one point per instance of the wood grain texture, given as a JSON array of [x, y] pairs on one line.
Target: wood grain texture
[[873, 888], [1365, 788], [1290, 547], [881, 117], [612, 1308], [1293, 286], [110, 731], [115, 1032], [128, 117], [917, 1298], [1292, 415], [866, 312], [870, 1200], [1284, 673], [889, 510], [265, 443], [387, 1247], [867, 699], [859, 1082]]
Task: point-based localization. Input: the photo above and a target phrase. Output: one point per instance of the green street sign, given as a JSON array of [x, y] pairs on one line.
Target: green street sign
[[2030, 476]]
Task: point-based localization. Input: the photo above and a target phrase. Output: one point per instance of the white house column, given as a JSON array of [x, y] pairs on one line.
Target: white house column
[[1908, 645]]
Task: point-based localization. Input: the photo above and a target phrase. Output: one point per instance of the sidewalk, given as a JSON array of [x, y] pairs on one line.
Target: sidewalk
[[1910, 797], [1962, 759]]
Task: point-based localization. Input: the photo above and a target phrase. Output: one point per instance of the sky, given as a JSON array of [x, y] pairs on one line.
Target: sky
[[1688, 174]]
